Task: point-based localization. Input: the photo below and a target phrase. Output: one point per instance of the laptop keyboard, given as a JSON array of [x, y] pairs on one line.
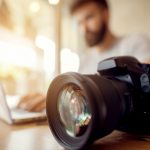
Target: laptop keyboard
[[20, 113]]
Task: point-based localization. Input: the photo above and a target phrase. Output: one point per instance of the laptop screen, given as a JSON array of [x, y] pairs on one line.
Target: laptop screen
[[4, 110]]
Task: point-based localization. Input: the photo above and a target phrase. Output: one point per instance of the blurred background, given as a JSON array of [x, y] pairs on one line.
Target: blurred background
[[39, 39]]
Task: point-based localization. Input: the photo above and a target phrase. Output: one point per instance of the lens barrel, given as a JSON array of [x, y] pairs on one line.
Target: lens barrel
[[83, 108]]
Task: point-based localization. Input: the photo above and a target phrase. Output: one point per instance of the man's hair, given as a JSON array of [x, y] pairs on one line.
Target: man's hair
[[78, 3]]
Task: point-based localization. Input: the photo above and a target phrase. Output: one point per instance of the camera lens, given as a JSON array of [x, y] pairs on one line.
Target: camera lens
[[79, 108], [73, 110]]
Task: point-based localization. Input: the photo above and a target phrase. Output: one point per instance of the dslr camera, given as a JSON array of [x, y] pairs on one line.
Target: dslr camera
[[83, 108]]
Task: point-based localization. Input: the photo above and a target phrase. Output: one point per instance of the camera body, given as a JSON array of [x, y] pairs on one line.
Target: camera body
[[128, 69]]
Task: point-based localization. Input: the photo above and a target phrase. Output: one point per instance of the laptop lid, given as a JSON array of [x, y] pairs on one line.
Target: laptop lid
[[4, 110]]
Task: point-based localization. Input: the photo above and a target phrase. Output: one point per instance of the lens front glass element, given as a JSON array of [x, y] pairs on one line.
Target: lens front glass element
[[73, 110]]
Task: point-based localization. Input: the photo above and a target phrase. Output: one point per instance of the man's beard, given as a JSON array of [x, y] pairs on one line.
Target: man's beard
[[94, 38]]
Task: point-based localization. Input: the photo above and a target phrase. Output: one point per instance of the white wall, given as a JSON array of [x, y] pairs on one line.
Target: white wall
[[130, 16]]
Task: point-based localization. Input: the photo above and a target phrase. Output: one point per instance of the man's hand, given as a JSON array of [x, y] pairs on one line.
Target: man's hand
[[33, 102]]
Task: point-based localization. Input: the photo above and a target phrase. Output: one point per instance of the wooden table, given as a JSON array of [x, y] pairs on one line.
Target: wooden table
[[39, 137]]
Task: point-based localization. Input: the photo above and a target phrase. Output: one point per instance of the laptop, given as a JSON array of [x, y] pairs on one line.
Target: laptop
[[12, 115]]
